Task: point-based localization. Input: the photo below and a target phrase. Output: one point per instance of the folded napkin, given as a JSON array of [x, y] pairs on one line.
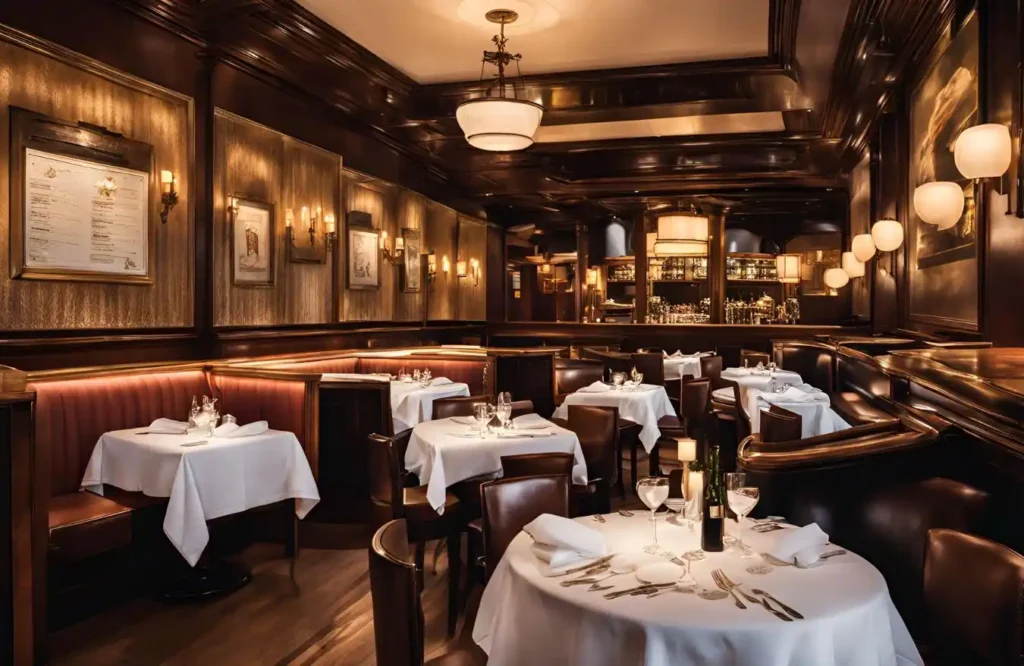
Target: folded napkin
[[233, 430], [440, 381], [531, 422], [168, 427], [677, 354], [802, 547], [557, 558], [793, 394], [355, 376], [596, 387], [563, 533]]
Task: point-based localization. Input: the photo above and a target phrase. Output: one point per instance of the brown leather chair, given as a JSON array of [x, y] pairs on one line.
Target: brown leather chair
[[536, 464], [398, 629], [598, 431], [447, 407], [780, 425], [694, 403], [974, 596], [509, 505], [732, 425], [652, 366], [390, 501], [752, 358], [711, 368], [571, 375], [522, 407], [856, 410]]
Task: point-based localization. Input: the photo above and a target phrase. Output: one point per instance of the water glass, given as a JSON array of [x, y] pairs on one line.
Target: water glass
[[482, 414], [618, 379], [742, 500], [653, 491], [416, 376]]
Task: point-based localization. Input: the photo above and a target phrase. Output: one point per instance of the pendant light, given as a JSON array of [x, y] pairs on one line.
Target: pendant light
[[500, 123], [852, 266], [863, 247], [682, 235], [836, 278], [787, 267]]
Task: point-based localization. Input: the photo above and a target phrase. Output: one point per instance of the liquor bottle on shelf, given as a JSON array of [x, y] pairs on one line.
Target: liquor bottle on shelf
[[712, 529]]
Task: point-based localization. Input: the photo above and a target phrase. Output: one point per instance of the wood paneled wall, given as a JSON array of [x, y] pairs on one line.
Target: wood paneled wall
[[442, 225], [256, 162], [380, 200], [472, 290], [412, 214], [860, 223], [37, 76]]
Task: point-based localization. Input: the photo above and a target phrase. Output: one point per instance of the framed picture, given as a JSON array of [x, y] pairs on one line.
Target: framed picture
[[252, 242], [944, 104], [411, 260], [362, 253]]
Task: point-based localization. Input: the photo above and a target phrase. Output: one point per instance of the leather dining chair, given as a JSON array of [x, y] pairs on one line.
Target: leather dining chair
[[752, 358], [695, 410], [780, 425], [522, 407], [398, 626], [536, 464], [711, 367], [974, 596], [390, 501], [652, 366], [462, 406], [509, 505], [598, 431], [732, 425]]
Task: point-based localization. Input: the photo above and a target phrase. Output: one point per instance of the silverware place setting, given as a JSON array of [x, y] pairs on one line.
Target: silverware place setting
[[725, 583]]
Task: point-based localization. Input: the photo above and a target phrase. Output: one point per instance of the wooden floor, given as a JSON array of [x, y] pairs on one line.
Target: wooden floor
[[325, 619]]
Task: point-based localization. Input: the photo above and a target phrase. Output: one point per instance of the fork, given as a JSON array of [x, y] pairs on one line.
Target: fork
[[716, 576], [762, 602], [782, 605], [599, 518]]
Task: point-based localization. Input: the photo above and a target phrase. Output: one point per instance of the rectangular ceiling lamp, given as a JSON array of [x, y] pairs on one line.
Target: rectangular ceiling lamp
[[787, 266], [682, 235]]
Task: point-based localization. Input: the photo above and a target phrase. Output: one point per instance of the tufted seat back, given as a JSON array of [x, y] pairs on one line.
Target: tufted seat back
[[71, 414], [280, 403]]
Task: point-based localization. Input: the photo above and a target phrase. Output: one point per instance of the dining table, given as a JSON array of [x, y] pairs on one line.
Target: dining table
[[204, 477], [447, 451], [677, 366], [749, 378], [412, 401], [813, 405], [526, 616], [645, 404]]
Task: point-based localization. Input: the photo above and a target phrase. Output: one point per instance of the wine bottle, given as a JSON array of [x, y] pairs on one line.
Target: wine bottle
[[713, 525]]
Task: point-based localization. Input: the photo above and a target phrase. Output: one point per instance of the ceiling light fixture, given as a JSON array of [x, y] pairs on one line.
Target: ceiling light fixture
[[682, 235], [500, 123]]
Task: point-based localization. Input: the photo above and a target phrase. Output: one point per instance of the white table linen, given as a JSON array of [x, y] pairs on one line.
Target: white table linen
[[749, 378], [412, 403], [205, 481], [813, 406], [444, 452], [644, 405], [526, 618], [677, 366]]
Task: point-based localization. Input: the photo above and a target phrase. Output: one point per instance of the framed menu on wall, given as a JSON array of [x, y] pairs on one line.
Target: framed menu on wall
[[80, 200]]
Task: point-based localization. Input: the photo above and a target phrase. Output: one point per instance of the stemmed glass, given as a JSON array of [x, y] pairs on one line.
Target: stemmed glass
[[416, 376], [742, 500], [653, 491], [618, 379], [504, 413], [425, 377], [483, 413]]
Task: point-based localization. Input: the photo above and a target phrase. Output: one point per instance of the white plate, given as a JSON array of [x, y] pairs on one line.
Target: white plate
[[659, 573]]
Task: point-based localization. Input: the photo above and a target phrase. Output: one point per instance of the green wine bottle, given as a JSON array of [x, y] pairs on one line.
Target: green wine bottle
[[713, 526]]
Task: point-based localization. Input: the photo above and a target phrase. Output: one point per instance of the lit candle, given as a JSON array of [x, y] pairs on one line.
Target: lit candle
[[399, 244], [383, 240], [695, 486], [288, 215], [330, 224], [167, 180], [686, 449]]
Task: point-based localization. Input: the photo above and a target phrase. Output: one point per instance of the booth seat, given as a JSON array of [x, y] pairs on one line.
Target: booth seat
[[477, 372], [75, 407], [573, 374]]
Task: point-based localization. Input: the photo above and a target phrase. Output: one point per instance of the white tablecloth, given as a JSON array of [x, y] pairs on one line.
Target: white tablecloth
[[676, 367], [749, 378], [412, 403], [221, 477], [440, 458], [817, 416], [527, 619], [644, 405]]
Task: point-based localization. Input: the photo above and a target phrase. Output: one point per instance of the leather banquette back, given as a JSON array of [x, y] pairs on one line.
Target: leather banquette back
[[477, 373]]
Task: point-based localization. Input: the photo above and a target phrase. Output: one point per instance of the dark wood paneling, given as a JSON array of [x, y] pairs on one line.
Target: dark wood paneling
[[496, 275], [258, 163], [472, 291], [442, 227], [49, 80], [412, 214], [380, 201]]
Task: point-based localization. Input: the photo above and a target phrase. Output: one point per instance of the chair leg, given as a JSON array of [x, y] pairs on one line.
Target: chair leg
[[620, 483], [454, 575], [438, 549], [654, 461], [421, 553]]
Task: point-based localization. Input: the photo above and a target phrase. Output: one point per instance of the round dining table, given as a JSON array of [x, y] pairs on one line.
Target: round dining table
[[528, 618]]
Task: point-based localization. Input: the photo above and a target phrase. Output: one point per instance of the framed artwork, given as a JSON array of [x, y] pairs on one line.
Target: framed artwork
[[362, 252], [944, 104], [411, 260], [252, 242], [80, 202]]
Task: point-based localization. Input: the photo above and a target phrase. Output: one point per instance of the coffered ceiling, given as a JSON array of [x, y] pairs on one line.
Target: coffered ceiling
[[441, 40]]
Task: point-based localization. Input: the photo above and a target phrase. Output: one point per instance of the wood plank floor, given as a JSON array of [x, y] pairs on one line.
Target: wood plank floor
[[324, 619]]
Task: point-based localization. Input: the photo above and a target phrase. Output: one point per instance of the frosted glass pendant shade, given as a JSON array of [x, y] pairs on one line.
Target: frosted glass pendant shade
[[787, 266], [836, 278], [499, 124], [887, 235], [940, 203], [682, 235], [852, 267], [983, 151], [863, 247]]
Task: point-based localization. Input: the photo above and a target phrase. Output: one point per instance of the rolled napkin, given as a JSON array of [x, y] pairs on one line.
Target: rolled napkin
[[440, 381], [168, 427], [354, 376], [596, 387], [801, 546], [233, 430], [565, 534]]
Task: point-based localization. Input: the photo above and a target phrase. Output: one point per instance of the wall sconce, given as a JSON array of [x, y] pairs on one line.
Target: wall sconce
[[836, 278], [592, 275], [446, 265], [460, 268], [887, 235], [474, 266], [852, 266], [331, 237], [985, 151], [233, 209], [939, 203], [168, 195], [431, 266], [863, 247], [392, 257]]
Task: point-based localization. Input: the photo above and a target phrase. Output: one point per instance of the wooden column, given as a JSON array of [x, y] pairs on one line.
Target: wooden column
[[202, 187], [640, 260], [716, 266]]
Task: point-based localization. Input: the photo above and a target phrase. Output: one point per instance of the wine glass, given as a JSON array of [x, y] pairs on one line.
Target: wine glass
[[678, 505], [504, 412], [742, 500], [618, 379], [416, 376], [426, 376], [653, 491], [482, 414]]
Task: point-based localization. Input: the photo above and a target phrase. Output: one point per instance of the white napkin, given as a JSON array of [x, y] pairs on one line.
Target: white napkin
[[168, 427], [678, 354], [563, 533], [355, 376], [440, 381], [596, 387], [233, 430], [531, 422], [803, 546], [557, 558], [792, 394]]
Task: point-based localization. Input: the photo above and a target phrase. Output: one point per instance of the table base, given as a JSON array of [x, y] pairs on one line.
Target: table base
[[207, 580]]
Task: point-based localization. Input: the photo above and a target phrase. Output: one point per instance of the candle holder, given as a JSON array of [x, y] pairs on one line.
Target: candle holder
[[392, 256], [168, 195], [313, 251]]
